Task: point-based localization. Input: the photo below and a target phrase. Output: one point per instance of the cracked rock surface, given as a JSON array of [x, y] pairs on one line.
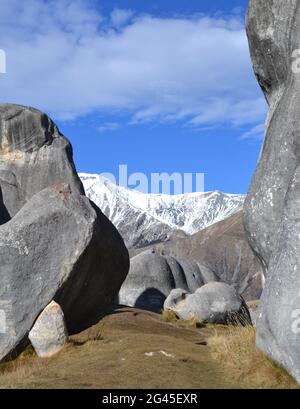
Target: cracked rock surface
[[55, 244], [272, 207]]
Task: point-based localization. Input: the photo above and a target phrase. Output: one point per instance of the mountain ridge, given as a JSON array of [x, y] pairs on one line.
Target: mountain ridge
[[144, 219]]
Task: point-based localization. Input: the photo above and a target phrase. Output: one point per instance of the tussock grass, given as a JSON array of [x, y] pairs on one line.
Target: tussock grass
[[235, 347], [171, 317]]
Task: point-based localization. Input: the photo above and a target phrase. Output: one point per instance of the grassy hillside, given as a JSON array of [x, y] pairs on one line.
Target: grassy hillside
[[137, 349]]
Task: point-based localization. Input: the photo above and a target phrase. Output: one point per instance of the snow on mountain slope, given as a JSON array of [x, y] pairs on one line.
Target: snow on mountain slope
[[143, 219]]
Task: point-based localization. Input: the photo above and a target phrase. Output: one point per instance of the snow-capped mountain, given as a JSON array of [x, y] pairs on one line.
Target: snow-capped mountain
[[143, 219]]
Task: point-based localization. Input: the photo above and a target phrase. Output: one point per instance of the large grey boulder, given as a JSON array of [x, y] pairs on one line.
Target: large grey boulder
[[192, 273], [180, 279], [55, 244], [216, 303], [272, 206], [58, 246], [153, 276], [175, 298], [148, 283], [222, 253], [49, 333], [33, 156]]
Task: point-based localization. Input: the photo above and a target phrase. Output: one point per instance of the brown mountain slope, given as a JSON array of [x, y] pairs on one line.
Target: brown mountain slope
[[223, 249]]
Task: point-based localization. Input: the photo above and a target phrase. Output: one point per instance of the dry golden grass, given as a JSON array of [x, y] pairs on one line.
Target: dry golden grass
[[235, 347], [138, 349], [171, 317]]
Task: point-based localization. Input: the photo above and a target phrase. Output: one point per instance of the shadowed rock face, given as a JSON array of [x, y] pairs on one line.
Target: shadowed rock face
[[33, 156], [55, 244], [272, 207]]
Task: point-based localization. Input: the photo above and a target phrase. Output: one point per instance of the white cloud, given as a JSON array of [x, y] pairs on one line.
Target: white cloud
[[109, 127], [120, 17], [66, 58], [256, 133]]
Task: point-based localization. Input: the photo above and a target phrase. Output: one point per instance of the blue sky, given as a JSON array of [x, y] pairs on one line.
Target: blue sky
[[162, 86]]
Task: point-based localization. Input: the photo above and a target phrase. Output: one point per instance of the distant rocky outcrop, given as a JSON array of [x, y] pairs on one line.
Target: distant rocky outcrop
[[55, 244], [152, 277], [213, 303], [272, 207], [221, 252]]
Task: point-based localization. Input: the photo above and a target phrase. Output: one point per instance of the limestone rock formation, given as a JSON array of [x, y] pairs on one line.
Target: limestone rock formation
[[152, 276], [272, 206], [58, 246], [215, 303], [222, 253], [55, 244], [33, 156], [49, 333], [175, 298]]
